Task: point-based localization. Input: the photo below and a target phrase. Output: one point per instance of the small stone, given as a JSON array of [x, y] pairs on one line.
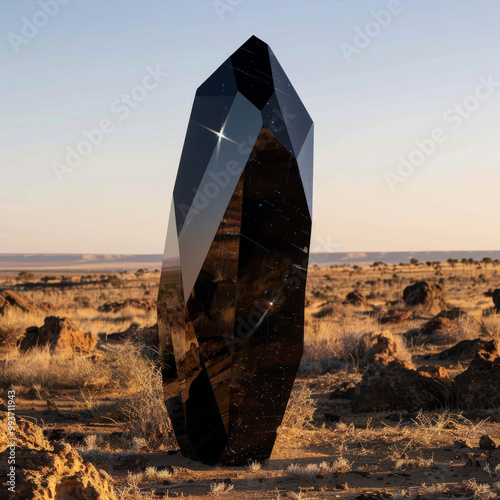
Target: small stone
[[486, 443]]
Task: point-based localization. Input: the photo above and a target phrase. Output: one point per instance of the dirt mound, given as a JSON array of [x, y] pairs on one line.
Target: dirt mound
[[46, 472], [467, 349], [437, 324], [428, 295], [142, 304], [496, 299], [355, 298], [58, 333], [477, 387], [392, 388], [444, 320], [13, 301], [382, 349], [395, 316]]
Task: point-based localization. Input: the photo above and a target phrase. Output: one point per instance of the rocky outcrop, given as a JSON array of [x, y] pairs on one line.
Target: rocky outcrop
[[393, 388], [15, 302], [381, 349], [428, 295], [466, 350], [496, 299], [142, 304], [478, 386], [46, 472], [58, 333]]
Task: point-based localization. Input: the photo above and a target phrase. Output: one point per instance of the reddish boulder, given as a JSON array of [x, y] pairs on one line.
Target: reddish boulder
[[60, 334], [45, 471], [466, 350], [428, 295], [382, 349], [478, 386], [392, 388]]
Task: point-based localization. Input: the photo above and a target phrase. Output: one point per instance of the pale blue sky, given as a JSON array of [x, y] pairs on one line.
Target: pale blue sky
[[367, 113]]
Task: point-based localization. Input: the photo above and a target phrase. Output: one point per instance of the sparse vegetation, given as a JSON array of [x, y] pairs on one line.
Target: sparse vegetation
[[111, 400]]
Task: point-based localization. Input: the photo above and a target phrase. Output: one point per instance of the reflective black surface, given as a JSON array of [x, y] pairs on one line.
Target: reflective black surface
[[231, 300]]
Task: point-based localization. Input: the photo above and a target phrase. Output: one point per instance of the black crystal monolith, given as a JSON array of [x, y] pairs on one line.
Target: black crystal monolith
[[231, 299]]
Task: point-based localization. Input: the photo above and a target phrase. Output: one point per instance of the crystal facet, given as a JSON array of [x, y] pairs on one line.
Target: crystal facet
[[231, 299]]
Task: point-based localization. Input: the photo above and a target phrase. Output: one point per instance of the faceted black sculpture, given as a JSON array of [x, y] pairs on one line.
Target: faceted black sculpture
[[231, 299]]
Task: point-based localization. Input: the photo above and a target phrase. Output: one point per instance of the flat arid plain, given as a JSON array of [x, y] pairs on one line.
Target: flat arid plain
[[397, 396]]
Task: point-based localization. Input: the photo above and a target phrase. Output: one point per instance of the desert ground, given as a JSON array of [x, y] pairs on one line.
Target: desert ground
[[397, 396]]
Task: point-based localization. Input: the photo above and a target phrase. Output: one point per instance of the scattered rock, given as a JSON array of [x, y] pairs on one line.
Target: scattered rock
[[45, 471], [393, 388], [486, 443], [426, 294], [467, 349], [58, 333], [395, 316], [381, 349], [355, 298], [477, 387], [142, 304], [13, 301], [496, 299]]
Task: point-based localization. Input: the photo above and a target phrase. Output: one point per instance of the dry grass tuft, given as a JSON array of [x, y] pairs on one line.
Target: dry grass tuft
[[119, 370], [145, 410]]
